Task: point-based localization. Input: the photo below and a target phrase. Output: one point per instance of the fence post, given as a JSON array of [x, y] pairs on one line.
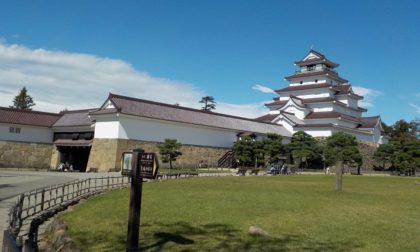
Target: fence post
[[42, 199]]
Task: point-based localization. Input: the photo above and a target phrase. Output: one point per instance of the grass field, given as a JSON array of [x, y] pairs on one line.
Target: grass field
[[301, 213]]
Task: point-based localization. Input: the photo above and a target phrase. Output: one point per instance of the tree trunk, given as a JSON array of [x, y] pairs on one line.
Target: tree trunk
[[358, 169], [170, 163], [338, 176]]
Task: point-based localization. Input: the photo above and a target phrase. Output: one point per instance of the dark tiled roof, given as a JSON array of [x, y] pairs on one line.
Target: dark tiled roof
[[331, 114], [27, 117], [302, 87], [277, 102], [321, 58], [345, 89], [315, 73], [266, 118], [369, 122], [319, 125], [162, 111], [74, 118]]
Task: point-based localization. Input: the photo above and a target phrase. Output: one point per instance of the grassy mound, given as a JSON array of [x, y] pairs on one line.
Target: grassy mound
[[300, 213]]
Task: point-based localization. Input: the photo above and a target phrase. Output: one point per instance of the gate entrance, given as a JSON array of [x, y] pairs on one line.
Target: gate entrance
[[76, 156]]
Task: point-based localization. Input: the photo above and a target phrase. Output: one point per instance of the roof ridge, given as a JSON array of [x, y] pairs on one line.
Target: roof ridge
[[30, 111], [111, 95]]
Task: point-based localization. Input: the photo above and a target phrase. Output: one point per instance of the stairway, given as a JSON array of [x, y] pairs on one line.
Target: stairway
[[227, 160]]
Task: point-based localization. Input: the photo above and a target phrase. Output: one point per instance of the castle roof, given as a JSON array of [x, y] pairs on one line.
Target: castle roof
[[324, 71], [74, 118], [27, 117], [161, 111], [314, 57]]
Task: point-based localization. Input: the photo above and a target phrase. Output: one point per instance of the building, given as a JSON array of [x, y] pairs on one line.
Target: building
[[96, 138], [320, 102], [317, 101]]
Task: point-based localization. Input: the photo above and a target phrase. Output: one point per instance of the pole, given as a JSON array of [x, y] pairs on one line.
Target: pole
[[135, 203], [339, 176]]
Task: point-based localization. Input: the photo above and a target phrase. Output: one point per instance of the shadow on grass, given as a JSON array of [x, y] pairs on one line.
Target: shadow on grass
[[181, 236]]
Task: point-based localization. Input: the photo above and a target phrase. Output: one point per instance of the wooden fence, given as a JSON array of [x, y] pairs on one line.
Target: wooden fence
[[34, 207]]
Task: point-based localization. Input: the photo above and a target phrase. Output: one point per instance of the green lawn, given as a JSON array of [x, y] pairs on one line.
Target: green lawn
[[301, 213]]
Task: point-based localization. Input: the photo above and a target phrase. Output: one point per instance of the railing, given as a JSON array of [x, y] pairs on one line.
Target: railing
[[34, 207], [227, 160]]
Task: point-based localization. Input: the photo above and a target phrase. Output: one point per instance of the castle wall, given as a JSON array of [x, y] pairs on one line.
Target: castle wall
[[25, 155], [106, 153]]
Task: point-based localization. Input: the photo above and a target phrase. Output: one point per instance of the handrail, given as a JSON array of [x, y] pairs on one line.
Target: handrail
[[38, 202]]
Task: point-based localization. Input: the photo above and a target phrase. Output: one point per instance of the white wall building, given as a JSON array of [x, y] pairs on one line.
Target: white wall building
[[320, 102]]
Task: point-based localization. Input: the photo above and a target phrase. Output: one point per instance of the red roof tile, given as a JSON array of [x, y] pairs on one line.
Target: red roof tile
[[162, 111], [266, 118], [302, 87], [315, 73], [27, 117], [331, 114], [369, 122]]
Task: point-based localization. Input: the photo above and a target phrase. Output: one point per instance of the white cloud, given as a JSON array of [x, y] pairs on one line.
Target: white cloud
[[252, 110], [263, 89], [57, 80], [416, 107], [368, 94]]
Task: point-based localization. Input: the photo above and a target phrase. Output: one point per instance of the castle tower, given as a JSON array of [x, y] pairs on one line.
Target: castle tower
[[320, 102]]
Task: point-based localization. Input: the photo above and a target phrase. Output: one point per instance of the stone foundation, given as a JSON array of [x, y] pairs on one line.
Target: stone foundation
[[25, 155], [106, 153], [367, 150]]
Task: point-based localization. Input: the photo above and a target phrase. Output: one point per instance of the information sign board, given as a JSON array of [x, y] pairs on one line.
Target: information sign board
[[126, 159], [149, 166]]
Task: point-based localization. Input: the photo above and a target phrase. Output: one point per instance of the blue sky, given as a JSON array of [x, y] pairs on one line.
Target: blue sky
[[71, 54]]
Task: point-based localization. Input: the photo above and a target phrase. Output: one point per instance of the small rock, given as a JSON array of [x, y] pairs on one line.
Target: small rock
[[256, 231]]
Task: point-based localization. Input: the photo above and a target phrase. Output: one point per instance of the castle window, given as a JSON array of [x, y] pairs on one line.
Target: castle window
[[316, 81], [310, 67], [301, 82], [14, 130]]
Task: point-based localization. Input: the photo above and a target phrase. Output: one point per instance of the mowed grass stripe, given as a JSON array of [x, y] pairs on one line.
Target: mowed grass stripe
[[301, 213]]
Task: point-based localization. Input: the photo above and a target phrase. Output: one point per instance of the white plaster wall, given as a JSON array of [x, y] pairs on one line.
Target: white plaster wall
[[309, 80], [347, 111], [107, 129], [319, 132], [286, 125], [155, 130], [298, 113], [27, 134], [321, 108]]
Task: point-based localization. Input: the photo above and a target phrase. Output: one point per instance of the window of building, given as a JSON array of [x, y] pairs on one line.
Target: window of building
[[301, 82], [14, 130], [310, 67], [316, 81]]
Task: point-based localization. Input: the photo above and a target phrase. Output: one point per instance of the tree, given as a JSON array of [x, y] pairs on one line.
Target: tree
[[273, 147], [304, 148], [403, 150], [384, 154], [23, 100], [169, 151], [342, 148], [209, 103], [244, 150]]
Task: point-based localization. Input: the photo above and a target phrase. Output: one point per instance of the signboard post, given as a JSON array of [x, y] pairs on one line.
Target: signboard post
[[143, 165]]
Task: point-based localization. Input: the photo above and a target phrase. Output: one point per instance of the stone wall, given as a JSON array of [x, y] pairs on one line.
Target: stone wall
[[367, 150], [106, 153], [25, 155]]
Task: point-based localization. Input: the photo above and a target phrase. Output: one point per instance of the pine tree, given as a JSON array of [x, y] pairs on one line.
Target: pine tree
[[23, 100], [209, 103], [169, 151]]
